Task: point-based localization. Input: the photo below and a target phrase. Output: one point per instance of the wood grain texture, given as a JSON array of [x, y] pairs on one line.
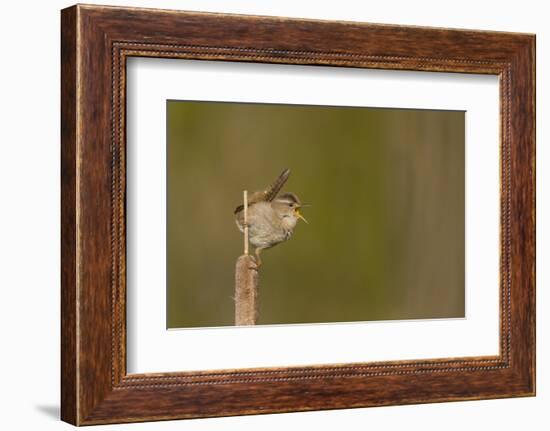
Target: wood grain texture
[[96, 41], [69, 365]]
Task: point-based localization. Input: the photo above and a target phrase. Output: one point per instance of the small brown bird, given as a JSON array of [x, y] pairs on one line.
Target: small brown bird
[[271, 217]]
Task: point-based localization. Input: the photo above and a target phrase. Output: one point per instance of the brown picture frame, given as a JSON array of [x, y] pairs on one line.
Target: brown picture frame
[[95, 43]]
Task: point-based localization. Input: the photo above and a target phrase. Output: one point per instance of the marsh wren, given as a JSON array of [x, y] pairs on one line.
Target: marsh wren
[[271, 217]]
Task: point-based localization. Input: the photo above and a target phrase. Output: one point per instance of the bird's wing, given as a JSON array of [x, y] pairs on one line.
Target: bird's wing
[[269, 193]]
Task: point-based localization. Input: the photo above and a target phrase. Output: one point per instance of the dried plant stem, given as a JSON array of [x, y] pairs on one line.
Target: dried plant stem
[[245, 203], [246, 280], [246, 291]]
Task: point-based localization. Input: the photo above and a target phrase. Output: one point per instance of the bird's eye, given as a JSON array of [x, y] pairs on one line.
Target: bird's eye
[[290, 205]]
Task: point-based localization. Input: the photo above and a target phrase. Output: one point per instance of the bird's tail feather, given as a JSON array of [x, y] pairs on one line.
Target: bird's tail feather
[[273, 190], [268, 194]]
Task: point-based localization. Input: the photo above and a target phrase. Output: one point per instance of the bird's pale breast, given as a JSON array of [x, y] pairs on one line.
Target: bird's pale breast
[[265, 227]]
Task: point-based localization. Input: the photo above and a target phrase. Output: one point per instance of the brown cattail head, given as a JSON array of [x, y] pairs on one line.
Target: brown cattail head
[[246, 291]]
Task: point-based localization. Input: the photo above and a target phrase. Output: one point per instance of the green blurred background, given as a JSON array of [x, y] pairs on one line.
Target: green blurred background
[[385, 238]]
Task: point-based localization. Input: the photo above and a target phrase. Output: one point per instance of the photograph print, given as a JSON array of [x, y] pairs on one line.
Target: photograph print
[[349, 214]]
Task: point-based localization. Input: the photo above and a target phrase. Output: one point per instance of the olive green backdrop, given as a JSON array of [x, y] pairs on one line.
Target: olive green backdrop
[[386, 231]]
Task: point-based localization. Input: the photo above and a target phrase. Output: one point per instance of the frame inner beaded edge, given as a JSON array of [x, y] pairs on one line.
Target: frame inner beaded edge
[[119, 379]]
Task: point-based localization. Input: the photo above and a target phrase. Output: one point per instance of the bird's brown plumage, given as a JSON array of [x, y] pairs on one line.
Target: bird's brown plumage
[[269, 193], [271, 217]]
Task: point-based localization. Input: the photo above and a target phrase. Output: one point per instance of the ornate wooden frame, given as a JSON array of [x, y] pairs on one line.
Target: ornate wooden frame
[[95, 42]]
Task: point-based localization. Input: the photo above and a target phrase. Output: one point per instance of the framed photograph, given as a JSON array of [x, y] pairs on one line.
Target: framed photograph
[[264, 214]]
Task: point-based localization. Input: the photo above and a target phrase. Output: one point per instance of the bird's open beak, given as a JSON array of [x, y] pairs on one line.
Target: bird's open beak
[[299, 215]]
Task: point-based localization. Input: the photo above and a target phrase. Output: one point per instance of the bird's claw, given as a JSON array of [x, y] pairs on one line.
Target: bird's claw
[[257, 264]]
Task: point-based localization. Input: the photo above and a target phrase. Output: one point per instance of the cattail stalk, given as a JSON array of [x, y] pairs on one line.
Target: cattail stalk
[[245, 203], [246, 281]]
